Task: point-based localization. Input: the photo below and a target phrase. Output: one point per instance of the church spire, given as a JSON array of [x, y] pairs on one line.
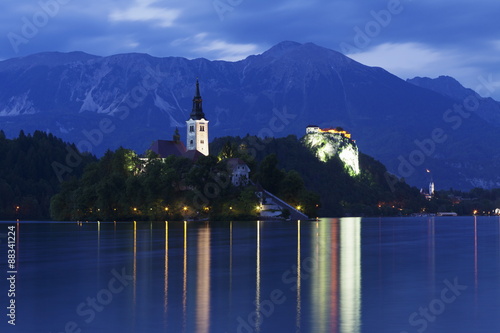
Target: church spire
[[197, 112], [177, 136]]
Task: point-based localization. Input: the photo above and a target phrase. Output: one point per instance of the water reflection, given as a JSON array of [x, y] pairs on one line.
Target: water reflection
[[165, 285], [184, 280], [336, 278], [257, 282], [135, 265], [431, 253], [299, 278], [350, 275], [203, 281], [230, 264], [98, 242], [475, 259], [180, 276]]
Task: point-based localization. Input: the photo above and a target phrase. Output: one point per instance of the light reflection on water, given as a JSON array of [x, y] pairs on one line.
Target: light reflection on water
[[334, 275]]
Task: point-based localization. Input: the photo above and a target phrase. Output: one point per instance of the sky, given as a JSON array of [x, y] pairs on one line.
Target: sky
[[409, 38]]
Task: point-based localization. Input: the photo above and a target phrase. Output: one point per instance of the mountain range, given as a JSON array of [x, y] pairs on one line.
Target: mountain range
[[130, 100]]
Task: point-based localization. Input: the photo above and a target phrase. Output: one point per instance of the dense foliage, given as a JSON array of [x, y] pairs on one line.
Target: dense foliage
[[121, 186], [281, 160], [477, 201], [31, 169]]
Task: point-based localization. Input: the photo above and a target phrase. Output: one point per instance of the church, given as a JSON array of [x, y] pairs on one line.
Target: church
[[196, 136]]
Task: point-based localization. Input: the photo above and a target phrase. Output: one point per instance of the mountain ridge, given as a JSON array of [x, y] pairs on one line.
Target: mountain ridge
[[276, 93]]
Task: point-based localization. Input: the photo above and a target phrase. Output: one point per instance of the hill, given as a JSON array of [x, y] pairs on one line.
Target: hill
[[129, 100], [32, 168]]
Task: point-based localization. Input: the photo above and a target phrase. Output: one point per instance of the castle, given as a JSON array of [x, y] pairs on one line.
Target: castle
[[326, 143]]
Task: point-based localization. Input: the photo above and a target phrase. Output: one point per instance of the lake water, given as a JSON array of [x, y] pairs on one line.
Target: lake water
[[349, 275]]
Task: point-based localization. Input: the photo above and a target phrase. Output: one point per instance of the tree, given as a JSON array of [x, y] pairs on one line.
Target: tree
[[228, 151], [291, 187], [269, 176]]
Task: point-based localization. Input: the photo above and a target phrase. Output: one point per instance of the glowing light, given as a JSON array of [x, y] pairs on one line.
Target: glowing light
[[474, 212], [350, 275], [329, 143], [299, 207], [336, 131], [231, 208], [135, 209], [166, 209], [185, 208]]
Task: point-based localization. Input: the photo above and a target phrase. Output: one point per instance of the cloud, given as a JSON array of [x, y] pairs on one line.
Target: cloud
[[441, 37], [405, 59], [408, 60], [496, 44], [216, 49], [143, 10]]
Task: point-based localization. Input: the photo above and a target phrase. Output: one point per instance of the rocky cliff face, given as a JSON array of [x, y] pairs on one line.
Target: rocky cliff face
[[327, 145], [132, 99]]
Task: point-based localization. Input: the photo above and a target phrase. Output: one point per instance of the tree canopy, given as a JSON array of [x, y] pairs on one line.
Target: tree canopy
[[31, 170]]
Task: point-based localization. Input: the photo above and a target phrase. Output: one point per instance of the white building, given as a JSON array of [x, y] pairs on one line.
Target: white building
[[312, 129], [431, 188], [197, 126], [239, 171]]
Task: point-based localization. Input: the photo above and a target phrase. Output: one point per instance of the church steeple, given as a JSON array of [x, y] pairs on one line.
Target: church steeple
[[197, 112], [197, 126], [177, 136]]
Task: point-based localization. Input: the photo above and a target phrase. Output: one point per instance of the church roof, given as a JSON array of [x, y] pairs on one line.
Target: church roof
[[234, 163], [165, 148], [197, 111], [193, 155]]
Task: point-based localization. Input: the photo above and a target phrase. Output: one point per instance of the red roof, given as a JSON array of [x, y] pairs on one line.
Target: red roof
[[165, 148], [193, 155]]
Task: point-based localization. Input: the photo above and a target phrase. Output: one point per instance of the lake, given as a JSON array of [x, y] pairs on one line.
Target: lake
[[352, 275]]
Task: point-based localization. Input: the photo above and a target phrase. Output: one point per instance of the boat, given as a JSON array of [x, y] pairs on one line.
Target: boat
[[446, 214]]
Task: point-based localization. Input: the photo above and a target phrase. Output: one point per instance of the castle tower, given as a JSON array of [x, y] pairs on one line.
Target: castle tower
[[197, 126], [431, 188]]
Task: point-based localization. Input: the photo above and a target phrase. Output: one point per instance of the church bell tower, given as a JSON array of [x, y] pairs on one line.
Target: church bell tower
[[197, 126]]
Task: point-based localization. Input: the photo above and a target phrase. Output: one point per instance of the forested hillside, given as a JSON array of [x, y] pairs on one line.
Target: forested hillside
[[31, 169], [40, 169], [369, 194], [121, 186]]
